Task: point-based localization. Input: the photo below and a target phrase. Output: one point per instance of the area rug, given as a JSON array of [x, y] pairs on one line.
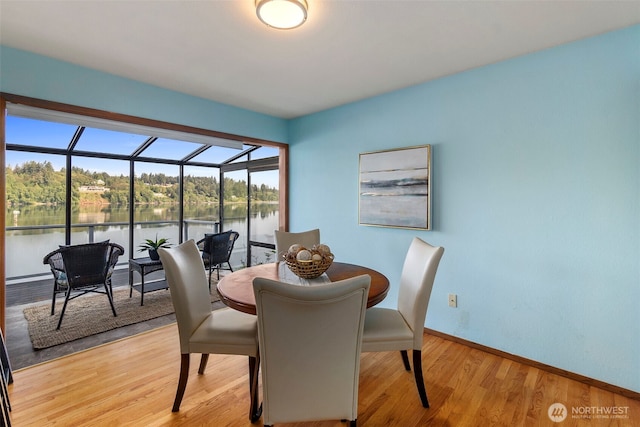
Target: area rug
[[91, 314]]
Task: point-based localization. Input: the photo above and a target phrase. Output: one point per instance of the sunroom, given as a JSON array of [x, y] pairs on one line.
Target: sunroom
[[77, 175]]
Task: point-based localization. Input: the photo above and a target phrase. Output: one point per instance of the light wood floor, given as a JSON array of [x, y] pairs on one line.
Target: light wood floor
[[132, 382]]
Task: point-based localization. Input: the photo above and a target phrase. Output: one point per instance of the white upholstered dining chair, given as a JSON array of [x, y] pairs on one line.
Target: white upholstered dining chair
[[284, 239], [402, 328], [310, 343], [201, 330]]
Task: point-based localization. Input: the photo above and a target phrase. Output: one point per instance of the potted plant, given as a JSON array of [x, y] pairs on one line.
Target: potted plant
[[153, 245]]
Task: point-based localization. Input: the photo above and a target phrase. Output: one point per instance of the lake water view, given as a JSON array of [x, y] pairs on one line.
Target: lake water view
[[25, 249]]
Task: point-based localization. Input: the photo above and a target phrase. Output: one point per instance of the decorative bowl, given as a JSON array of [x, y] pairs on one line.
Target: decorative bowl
[[308, 269]]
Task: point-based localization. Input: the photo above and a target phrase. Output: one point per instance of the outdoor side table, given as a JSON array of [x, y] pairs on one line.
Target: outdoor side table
[[145, 266]]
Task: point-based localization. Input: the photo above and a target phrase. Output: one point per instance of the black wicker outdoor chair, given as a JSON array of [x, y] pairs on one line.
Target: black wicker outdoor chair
[[81, 269], [216, 251]]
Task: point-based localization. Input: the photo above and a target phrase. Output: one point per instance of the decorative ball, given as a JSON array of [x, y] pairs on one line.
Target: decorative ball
[[293, 249], [323, 249], [316, 257], [303, 255]]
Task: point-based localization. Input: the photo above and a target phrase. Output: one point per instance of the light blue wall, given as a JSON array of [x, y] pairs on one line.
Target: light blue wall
[[36, 76], [536, 191]]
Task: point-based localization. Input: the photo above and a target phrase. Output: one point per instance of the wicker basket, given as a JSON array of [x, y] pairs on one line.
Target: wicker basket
[[309, 269]]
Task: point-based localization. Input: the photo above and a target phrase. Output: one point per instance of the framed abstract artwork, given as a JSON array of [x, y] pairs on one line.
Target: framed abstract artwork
[[395, 188]]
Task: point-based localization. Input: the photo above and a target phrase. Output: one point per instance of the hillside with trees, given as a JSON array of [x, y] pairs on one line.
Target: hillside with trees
[[34, 183]]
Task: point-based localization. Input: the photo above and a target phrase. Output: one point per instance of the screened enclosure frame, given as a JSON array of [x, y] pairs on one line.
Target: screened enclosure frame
[[206, 138]]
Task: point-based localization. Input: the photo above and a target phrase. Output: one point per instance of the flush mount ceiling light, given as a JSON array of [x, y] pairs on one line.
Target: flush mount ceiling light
[[282, 14]]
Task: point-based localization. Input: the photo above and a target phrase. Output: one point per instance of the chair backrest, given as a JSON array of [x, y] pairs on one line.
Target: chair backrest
[[86, 264], [218, 247], [416, 282], [189, 288], [310, 340], [285, 239]]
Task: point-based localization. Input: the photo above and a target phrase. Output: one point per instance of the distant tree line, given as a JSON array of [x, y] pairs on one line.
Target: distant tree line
[[38, 183]]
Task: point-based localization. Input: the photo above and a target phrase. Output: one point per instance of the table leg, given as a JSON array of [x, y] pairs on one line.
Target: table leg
[[142, 288], [130, 282]]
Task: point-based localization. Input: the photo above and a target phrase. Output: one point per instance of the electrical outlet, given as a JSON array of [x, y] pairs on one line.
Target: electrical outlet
[[453, 300]]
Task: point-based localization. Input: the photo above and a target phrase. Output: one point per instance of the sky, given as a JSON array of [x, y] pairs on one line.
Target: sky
[[32, 132]]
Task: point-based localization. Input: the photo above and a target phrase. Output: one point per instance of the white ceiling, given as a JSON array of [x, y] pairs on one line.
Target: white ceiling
[[346, 51]]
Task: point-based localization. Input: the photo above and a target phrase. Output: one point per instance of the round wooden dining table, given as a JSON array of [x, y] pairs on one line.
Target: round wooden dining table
[[236, 289]]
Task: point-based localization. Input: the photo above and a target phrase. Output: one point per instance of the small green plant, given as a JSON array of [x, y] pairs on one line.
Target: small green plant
[[154, 244]]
